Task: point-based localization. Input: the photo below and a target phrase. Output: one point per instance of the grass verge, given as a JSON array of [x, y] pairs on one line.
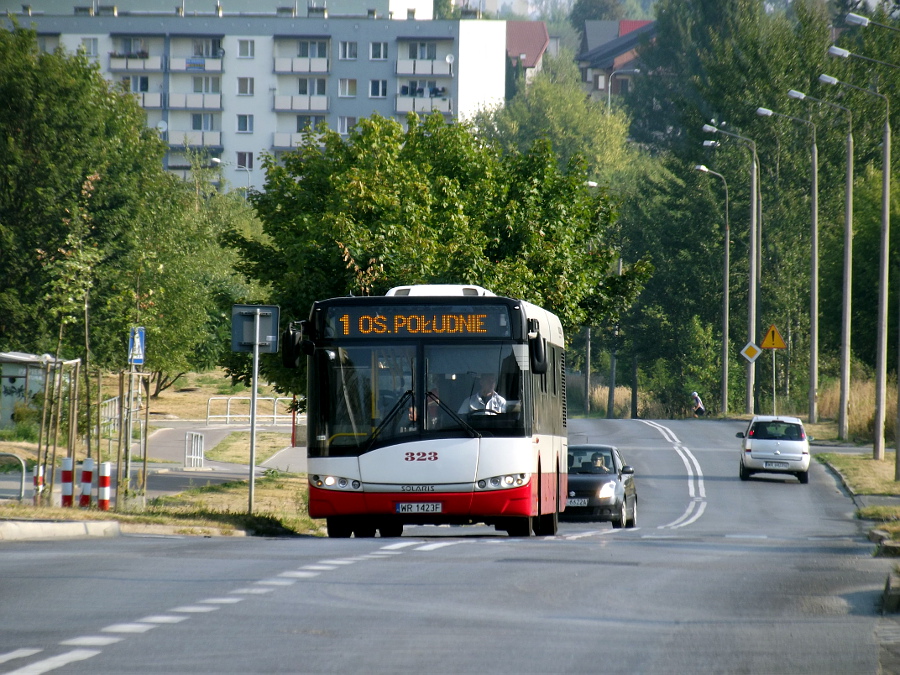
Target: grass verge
[[867, 476], [279, 501]]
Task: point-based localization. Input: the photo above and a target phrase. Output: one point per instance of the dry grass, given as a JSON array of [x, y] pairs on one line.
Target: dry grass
[[860, 408], [236, 447]]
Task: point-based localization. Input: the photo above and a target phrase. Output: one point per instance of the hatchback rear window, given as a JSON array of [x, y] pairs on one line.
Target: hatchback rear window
[[777, 431]]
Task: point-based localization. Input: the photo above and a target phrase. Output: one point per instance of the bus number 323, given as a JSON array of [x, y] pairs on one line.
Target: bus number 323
[[421, 456]]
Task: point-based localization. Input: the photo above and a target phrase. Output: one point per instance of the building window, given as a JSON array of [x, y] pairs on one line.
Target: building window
[[203, 122], [246, 49], [378, 51], [426, 51], [135, 47], [377, 88], [420, 88], [245, 160], [209, 48], [245, 86], [207, 84], [311, 86], [346, 87], [600, 83], [245, 124], [346, 124], [137, 84], [347, 51], [313, 49], [305, 122], [89, 46]]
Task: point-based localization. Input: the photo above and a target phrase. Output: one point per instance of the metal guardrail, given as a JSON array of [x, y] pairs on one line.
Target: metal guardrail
[[274, 417], [22, 462], [193, 450]]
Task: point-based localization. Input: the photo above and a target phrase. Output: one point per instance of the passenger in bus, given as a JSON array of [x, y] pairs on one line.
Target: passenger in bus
[[486, 400]]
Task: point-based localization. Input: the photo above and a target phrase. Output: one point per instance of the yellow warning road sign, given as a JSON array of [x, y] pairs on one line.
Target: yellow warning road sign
[[773, 339]]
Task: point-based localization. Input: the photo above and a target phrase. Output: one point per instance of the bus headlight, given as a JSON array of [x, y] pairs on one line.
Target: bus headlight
[[505, 482], [334, 482]]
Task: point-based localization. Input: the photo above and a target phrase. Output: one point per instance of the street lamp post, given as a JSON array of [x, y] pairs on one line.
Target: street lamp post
[[843, 425], [881, 355], [725, 290], [859, 20], [610, 79], [221, 162], [814, 265], [751, 297]]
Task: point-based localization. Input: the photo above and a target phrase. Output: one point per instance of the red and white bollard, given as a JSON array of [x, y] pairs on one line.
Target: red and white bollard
[[103, 486], [67, 482], [38, 479], [87, 483]]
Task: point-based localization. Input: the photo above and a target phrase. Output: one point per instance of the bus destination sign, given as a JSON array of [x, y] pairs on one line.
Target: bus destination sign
[[438, 321]]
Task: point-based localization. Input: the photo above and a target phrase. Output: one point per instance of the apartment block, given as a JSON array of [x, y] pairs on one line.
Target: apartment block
[[240, 84]]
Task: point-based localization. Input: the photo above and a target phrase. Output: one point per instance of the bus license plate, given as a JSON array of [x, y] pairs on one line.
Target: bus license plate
[[419, 507], [776, 465], [577, 502]]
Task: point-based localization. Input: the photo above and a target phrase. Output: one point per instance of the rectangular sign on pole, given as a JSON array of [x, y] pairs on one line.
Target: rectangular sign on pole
[[243, 328], [136, 346]]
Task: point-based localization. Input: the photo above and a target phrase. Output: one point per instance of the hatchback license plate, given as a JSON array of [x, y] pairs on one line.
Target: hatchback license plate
[[776, 465], [419, 507], [577, 502]]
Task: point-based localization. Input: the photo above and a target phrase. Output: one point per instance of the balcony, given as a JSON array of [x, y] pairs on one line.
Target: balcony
[[134, 63], [150, 100], [424, 67], [422, 104], [301, 65], [195, 64], [300, 103], [195, 139], [195, 101]]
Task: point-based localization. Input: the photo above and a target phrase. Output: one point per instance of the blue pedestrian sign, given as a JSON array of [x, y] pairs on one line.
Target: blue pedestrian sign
[[136, 346]]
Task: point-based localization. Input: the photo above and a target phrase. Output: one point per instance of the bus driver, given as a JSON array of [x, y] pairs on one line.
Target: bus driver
[[487, 400]]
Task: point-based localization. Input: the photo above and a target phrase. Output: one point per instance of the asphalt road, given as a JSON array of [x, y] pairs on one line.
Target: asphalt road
[[720, 576]]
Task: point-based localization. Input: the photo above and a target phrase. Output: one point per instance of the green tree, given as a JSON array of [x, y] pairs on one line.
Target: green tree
[[432, 204]]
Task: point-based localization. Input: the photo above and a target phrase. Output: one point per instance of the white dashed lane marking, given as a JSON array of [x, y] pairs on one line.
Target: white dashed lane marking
[[55, 662], [92, 641], [128, 628]]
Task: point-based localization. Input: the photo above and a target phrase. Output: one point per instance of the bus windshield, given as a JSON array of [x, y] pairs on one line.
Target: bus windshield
[[376, 394]]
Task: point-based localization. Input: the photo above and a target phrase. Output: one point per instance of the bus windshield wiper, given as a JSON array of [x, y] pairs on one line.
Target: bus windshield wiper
[[392, 413], [431, 396]]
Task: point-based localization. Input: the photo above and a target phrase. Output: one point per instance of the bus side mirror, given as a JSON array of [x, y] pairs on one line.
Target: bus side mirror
[[538, 348], [290, 348]]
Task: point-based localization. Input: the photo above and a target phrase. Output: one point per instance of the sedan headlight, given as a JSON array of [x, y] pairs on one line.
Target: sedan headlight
[[607, 490]]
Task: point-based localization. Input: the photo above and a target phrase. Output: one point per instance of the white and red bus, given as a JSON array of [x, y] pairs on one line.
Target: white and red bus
[[431, 405]]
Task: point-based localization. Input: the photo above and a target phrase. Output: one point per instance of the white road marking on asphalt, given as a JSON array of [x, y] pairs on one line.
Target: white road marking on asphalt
[[18, 654], [194, 609], [437, 545], [253, 591], [696, 486], [275, 582], [299, 574], [746, 536], [220, 601], [345, 561], [128, 628], [163, 618], [582, 535], [400, 544], [92, 641], [383, 553], [55, 662], [320, 568]]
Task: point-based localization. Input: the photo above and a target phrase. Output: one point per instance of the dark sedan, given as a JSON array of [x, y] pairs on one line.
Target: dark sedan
[[601, 486]]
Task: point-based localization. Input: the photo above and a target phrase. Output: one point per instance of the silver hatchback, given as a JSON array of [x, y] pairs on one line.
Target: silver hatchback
[[774, 444]]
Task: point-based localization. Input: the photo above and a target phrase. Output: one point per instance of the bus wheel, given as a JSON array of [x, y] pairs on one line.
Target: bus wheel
[[391, 529], [338, 528], [547, 525], [519, 527]]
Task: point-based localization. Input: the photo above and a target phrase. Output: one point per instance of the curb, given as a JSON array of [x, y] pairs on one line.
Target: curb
[[20, 530]]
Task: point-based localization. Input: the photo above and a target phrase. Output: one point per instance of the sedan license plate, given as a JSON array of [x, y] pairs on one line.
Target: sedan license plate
[[419, 507], [577, 502], [776, 465]]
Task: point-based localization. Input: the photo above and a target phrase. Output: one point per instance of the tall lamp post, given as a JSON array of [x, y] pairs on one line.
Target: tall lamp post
[[814, 265], [751, 297], [843, 425], [610, 79], [859, 20], [881, 355], [725, 289]]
